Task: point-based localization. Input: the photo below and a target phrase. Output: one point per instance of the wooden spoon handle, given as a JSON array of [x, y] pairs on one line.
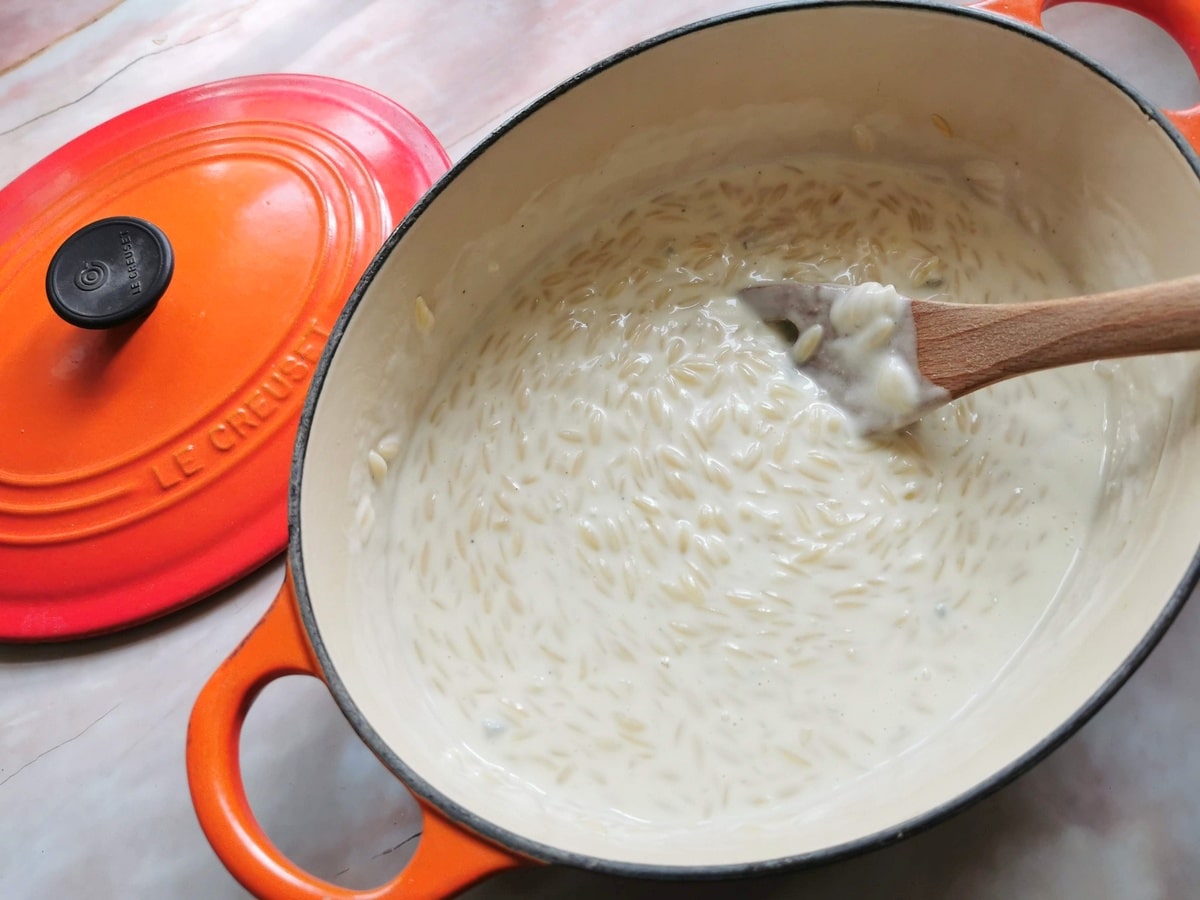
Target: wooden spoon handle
[[964, 347]]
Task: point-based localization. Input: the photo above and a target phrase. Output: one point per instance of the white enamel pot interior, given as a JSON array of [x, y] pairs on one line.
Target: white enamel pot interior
[[765, 84]]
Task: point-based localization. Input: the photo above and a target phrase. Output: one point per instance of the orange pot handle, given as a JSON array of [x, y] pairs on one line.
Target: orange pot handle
[[448, 858], [1178, 18]]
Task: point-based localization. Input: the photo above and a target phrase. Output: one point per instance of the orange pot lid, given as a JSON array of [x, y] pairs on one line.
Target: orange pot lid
[[167, 283]]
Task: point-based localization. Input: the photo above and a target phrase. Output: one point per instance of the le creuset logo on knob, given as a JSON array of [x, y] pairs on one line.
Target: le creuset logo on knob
[[93, 275], [110, 272], [135, 286]]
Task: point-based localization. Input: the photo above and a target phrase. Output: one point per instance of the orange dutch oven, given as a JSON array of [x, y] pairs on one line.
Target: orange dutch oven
[[1001, 83]]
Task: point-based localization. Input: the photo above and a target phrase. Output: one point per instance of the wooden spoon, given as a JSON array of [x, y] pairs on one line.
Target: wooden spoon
[[962, 347]]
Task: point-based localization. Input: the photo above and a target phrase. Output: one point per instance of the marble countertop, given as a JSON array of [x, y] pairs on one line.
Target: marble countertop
[[93, 795]]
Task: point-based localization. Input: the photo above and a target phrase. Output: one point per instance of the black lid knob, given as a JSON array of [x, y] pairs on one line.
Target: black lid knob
[[109, 272]]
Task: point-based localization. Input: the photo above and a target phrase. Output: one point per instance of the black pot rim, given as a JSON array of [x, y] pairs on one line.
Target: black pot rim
[[548, 853]]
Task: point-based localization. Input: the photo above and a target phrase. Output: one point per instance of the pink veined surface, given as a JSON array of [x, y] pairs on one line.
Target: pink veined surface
[[93, 798]]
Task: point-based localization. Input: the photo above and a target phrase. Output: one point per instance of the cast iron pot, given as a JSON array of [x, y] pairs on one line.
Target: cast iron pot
[[757, 83]]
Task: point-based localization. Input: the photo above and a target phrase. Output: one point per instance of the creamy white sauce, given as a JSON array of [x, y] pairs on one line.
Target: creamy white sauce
[[875, 349], [649, 576], [859, 342]]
